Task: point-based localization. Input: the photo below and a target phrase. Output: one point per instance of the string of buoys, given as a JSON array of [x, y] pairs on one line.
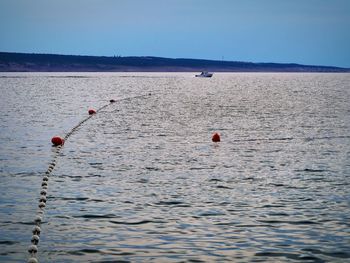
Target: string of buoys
[[33, 248], [58, 143]]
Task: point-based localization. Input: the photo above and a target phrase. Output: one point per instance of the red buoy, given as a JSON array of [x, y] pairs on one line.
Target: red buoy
[[57, 140], [216, 137], [92, 111]]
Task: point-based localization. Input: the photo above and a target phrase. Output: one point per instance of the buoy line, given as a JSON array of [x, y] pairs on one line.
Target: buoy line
[[58, 143]]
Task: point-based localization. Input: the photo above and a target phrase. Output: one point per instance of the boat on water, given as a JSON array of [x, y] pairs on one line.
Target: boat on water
[[205, 74]]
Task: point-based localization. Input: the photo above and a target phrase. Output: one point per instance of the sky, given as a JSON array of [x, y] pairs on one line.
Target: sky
[[312, 32]]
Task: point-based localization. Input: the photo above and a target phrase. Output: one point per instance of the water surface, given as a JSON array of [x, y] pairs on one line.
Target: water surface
[[142, 182]]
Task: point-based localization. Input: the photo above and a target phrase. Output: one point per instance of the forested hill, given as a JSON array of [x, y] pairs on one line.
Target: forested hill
[[17, 62]]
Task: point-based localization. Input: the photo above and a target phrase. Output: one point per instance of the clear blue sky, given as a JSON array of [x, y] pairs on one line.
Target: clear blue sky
[[300, 31]]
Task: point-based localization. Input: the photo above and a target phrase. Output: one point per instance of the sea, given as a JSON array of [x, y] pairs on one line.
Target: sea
[[142, 181]]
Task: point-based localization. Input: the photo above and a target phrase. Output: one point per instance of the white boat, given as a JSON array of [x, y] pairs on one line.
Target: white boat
[[205, 74]]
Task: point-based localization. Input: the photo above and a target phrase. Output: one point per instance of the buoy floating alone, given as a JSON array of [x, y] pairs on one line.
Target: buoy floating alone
[[91, 111], [57, 140], [216, 137]]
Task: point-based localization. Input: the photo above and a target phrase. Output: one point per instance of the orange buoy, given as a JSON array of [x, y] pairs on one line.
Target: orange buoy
[[92, 111], [57, 140], [216, 137], [112, 101]]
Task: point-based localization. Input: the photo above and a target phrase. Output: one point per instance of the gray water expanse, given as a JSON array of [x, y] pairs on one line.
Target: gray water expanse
[[141, 181]]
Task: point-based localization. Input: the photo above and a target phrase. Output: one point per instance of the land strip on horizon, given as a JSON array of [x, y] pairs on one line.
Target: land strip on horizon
[[25, 62]]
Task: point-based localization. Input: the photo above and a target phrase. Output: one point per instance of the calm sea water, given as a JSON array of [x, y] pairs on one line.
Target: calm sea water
[[141, 181]]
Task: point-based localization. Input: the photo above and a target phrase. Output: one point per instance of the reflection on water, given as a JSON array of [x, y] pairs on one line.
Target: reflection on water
[[142, 181]]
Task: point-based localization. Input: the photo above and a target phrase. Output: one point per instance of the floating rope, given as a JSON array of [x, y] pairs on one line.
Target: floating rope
[[33, 248]]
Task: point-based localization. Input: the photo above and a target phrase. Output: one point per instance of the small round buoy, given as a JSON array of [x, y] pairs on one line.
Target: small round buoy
[[33, 249], [91, 111], [36, 230], [32, 260], [35, 239], [112, 101], [42, 199], [57, 140], [38, 219], [216, 137]]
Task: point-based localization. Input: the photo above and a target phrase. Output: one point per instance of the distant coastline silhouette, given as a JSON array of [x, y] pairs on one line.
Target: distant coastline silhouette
[[17, 62]]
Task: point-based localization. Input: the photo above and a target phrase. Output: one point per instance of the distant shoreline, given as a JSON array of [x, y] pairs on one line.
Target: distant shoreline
[[24, 62]]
